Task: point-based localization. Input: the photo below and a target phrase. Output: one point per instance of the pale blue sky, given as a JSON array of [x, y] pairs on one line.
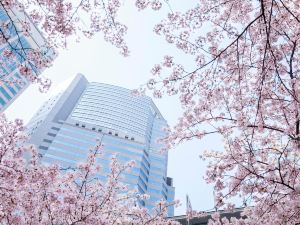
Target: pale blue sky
[[101, 62]]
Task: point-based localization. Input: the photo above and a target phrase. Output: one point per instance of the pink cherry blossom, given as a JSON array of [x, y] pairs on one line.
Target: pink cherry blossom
[[32, 193], [243, 86]]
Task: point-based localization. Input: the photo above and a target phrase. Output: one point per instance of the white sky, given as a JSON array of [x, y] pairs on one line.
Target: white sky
[[101, 62]]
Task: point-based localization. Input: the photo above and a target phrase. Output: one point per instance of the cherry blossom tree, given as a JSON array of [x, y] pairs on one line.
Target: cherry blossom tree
[[56, 22], [244, 86], [32, 193], [53, 22]]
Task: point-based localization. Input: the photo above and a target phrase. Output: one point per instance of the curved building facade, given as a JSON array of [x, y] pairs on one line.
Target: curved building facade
[[70, 123]]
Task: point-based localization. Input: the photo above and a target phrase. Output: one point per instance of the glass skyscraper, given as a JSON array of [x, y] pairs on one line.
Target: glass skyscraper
[[13, 39], [67, 125]]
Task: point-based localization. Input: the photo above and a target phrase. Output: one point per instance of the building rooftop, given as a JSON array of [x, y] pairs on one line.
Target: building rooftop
[[204, 220]]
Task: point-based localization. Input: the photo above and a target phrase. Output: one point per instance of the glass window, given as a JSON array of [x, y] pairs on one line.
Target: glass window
[[43, 147], [15, 83], [11, 89], [3, 15], [4, 92], [2, 102], [51, 134]]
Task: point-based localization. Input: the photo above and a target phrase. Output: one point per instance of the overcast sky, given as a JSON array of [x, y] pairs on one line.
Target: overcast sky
[[101, 62]]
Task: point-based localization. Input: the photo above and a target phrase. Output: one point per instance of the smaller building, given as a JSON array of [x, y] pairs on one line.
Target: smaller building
[[204, 220], [15, 49]]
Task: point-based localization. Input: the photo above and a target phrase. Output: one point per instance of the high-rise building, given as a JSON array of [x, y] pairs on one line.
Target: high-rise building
[[14, 40], [70, 123]]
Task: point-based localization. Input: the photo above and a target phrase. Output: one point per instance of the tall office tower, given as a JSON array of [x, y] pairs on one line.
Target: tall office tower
[[67, 125], [18, 45]]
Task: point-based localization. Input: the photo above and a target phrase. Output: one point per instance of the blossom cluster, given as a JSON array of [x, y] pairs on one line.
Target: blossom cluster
[[244, 87], [32, 193]]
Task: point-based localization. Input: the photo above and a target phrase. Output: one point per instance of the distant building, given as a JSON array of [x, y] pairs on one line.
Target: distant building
[[12, 38], [67, 125], [204, 220]]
